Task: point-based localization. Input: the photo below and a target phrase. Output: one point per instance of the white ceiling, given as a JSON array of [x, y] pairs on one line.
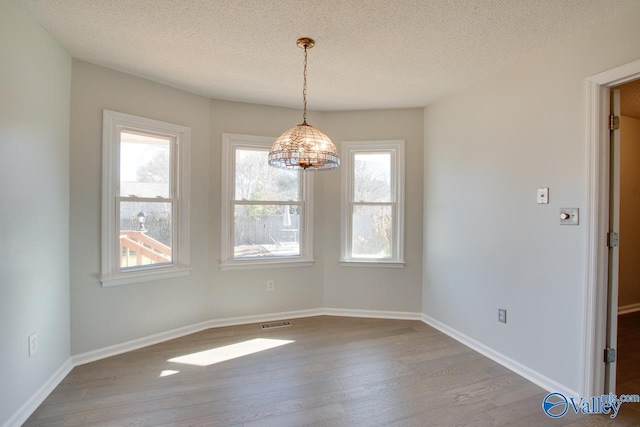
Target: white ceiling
[[369, 54]]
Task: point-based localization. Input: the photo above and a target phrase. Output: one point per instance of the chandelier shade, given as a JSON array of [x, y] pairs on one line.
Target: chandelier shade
[[303, 147]]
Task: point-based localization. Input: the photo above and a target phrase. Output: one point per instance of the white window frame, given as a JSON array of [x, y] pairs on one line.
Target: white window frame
[[231, 142], [112, 125], [396, 149]]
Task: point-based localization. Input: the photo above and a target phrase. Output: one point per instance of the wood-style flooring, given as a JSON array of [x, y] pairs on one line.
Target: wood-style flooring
[[336, 371], [628, 352]]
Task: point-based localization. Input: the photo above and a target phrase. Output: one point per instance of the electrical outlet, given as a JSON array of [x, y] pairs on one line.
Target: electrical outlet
[[502, 315], [33, 344], [271, 285]]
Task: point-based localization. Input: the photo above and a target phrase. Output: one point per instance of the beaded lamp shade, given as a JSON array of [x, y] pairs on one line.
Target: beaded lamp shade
[[304, 147]]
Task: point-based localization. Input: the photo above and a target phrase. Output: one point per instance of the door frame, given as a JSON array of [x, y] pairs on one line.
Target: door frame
[[598, 158]]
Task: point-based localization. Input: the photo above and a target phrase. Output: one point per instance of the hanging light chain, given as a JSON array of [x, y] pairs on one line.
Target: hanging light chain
[[302, 147], [304, 87]]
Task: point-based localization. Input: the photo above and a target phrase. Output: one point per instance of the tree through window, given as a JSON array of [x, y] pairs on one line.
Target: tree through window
[[372, 202], [265, 215], [145, 198]]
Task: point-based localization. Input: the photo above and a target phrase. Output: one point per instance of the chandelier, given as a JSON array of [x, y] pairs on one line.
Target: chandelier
[[303, 146]]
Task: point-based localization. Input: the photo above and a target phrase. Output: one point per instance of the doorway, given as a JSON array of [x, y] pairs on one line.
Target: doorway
[[598, 312], [626, 181]]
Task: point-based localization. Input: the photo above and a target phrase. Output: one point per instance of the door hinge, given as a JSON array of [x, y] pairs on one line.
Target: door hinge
[[612, 239], [609, 355], [614, 122]]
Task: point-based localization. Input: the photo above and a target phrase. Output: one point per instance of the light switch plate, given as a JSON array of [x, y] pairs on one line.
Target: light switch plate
[[569, 216], [543, 196]]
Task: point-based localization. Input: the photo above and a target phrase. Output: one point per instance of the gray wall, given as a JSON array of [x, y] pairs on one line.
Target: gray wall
[[35, 76], [375, 288], [487, 243], [243, 292], [106, 316]]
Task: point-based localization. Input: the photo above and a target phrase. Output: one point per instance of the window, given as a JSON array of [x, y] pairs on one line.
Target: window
[[266, 212], [145, 209], [373, 203]]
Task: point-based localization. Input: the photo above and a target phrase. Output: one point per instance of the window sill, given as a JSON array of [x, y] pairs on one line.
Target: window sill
[[372, 263], [143, 276], [254, 265]]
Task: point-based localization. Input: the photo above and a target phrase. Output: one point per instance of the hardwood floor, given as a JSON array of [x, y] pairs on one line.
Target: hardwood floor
[[336, 371], [628, 366]]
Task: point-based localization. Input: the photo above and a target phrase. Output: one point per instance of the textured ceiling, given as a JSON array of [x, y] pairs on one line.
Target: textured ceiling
[[630, 99], [369, 53]]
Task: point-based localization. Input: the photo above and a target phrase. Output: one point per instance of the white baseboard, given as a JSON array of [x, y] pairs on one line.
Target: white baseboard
[[631, 308], [114, 350], [259, 318], [520, 369], [32, 404], [91, 356], [376, 314]]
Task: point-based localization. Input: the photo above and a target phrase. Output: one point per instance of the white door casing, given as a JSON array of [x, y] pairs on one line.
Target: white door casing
[[598, 169], [614, 226]]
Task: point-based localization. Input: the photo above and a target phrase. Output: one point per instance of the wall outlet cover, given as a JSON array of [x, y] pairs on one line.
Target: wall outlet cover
[[33, 344], [543, 196], [502, 315]]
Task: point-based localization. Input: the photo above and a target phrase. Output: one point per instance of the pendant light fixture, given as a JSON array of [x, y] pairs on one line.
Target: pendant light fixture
[[303, 146]]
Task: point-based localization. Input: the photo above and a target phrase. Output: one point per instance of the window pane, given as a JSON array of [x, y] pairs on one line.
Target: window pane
[[256, 180], [145, 234], [372, 177], [145, 166], [266, 231], [371, 236]]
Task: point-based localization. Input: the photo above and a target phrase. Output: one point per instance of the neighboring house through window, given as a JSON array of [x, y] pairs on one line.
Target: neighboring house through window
[[266, 212], [145, 206], [373, 203]]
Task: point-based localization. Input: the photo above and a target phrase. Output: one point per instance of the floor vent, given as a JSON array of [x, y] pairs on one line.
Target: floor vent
[[273, 325]]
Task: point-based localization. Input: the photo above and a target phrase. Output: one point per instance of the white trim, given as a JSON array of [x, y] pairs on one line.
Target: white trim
[[256, 265], [396, 149], [229, 142], [383, 264], [374, 314], [595, 298], [114, 350], [144, 276], [259, 318], [517, 367], [29, 407], [98, 354], [112, 123], [626, 309]]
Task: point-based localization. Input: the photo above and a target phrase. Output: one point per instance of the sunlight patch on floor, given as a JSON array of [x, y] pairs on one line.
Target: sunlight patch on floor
[[228, 352], [168, 372]]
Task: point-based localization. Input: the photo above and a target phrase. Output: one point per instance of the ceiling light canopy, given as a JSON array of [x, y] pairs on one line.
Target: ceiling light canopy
[[303, 147]]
